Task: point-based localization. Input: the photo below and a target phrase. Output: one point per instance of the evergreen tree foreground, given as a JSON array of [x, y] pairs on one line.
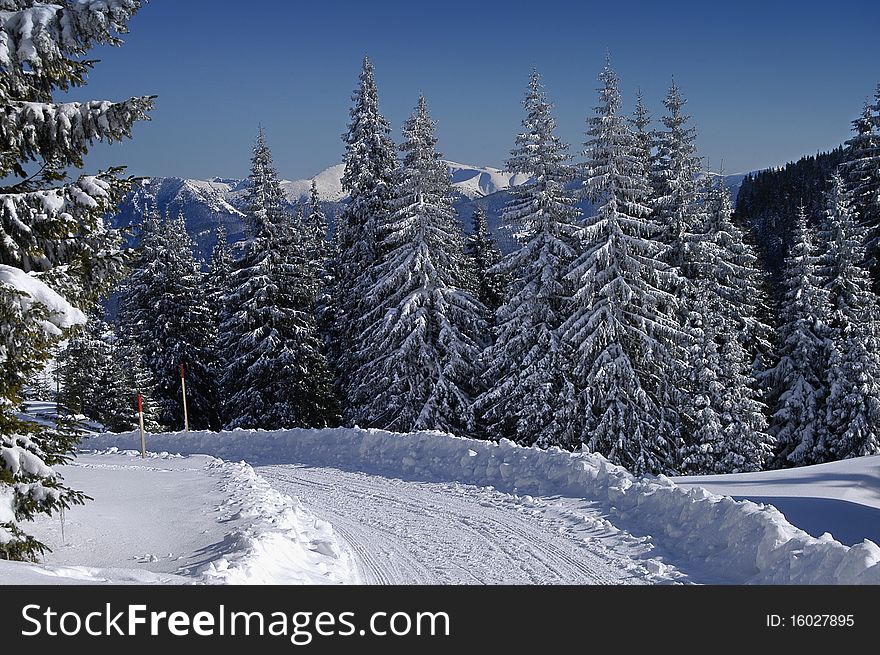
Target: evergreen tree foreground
[[57, 256]]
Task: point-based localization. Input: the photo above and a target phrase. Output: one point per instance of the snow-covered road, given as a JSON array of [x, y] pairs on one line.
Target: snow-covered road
[[427, 507], [407, 532]]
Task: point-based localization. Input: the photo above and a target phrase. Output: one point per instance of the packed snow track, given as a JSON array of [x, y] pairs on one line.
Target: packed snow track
[[404, 532]]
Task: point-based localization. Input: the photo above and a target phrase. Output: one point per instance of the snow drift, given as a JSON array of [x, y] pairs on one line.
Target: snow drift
[[280, 542], [744, 542]]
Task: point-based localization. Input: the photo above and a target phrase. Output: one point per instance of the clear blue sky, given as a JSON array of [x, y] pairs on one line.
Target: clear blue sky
[[766, 81]]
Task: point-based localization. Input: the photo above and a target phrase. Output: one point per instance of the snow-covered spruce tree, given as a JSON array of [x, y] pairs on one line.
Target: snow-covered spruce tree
[[526, 370], [219, 271], [724, 324], [79, 364], [640, 125], [674, 172], [861, 172], [138, 379], [423, 339], [483, 256], [617, 329], [315, 230], [704, 446], [853, 404], [53, 233], [322, 254], [275, 374], [164, 308], [370, 162], [712, 258], [676, 206], [84, 370], [310, 226], [100, 378], [217, 282], [798, 380]]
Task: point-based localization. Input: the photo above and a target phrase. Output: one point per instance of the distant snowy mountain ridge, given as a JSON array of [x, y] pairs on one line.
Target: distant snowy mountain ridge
[[470, 181], [207, 203]]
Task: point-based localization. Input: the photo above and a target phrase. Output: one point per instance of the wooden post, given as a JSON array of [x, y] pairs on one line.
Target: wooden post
[[141, 422], [183, 388]]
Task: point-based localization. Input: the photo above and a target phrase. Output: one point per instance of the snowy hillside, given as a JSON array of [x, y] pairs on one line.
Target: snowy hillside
[[383, 488], [475, 182], [470, 181], [841, 498], [328, 182]]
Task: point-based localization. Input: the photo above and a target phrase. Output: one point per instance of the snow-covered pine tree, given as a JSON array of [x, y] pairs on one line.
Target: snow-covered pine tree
[[138, 379], [79, 367], [674, 170], [526, 370], [323, 256], [853, 403], [55, 249], [164, 309], [316, 243], [370, 162], [424, 333], [861, 171], [674, 176], [617, 329], [483, 256], [308, 246], [711, 256], [725, 326], [219, 271], [798, 380], [641, 124], [275, 374], [217, 282], [99, 378], [191, 337], [704, 445]]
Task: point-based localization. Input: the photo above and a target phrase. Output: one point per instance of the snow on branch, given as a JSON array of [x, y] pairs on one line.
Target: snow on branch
[[61, 132], [40, 35], [31, 291], [37, 228]]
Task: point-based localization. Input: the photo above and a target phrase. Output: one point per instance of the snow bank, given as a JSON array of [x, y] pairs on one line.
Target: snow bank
[[742, 541], [280, 542]]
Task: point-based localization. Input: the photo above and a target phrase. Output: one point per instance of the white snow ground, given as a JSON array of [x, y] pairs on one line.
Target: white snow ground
[[413, 532], [169, 519], [841, 498], [428, 507]]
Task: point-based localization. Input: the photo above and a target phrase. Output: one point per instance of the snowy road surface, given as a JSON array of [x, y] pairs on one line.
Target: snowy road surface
[[404, 532]]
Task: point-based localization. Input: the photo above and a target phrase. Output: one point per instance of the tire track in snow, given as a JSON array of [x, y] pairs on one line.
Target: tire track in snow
[[404, 532]]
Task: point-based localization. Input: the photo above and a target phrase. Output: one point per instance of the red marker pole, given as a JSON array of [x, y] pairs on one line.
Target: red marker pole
[[141, 422], [183, 388]]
